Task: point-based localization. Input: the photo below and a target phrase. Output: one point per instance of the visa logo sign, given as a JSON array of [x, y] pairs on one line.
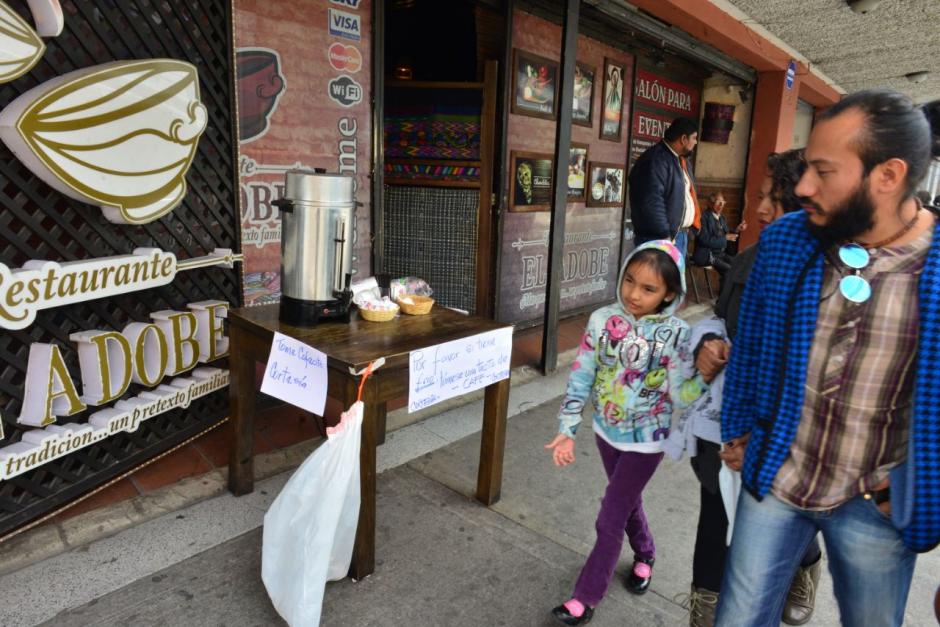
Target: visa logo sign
[[352, 4], [346, 25]]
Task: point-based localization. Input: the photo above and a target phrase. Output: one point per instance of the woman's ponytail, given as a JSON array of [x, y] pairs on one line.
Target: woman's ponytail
[[932, 111]]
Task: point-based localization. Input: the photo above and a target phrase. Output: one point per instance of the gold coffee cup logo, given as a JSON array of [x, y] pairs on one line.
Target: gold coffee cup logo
[[120, 135], [20, 46]]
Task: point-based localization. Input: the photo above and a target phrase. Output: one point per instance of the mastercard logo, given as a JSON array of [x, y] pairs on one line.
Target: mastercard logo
[[345, 58]]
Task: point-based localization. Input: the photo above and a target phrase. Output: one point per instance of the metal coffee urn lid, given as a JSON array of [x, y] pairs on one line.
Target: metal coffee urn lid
[[307, 187]]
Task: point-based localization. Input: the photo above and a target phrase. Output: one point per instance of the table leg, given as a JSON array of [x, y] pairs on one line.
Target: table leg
[[241, 390], [380, 421], [363, 560], [493, 442]]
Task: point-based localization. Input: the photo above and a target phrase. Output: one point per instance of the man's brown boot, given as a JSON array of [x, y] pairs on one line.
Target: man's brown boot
[[701, 604], [801, 600]]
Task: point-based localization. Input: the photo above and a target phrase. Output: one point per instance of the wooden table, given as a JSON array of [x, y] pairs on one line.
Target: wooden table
[[354, 345]]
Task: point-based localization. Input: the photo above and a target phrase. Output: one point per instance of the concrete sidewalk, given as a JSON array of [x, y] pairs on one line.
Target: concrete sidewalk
[[442, 559]]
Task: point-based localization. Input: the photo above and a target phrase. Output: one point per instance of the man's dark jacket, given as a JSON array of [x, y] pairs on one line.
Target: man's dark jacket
[[657, 194]]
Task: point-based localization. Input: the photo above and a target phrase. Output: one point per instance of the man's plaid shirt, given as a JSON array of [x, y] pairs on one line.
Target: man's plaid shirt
[[859, 383], [764, 385]]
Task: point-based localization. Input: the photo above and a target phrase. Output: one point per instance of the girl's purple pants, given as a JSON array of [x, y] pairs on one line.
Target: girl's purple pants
[[621, 511]]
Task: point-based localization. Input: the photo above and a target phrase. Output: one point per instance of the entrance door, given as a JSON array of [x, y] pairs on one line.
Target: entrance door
[[438, 218]]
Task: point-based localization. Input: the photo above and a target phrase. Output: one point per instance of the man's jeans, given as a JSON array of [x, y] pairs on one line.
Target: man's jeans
[[682, 243], [871, 568]]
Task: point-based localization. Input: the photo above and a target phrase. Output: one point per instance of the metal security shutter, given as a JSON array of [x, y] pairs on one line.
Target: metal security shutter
[[431, 233]]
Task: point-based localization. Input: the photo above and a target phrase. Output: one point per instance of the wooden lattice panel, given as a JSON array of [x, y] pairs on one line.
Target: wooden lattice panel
[[36, 222]]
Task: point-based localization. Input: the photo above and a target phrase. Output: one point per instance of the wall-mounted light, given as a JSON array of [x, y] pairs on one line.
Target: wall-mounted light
[[863, 6], [917, 77]]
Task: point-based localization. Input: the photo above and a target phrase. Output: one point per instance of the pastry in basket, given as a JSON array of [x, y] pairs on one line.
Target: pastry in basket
[[415, 304], [375, 309]]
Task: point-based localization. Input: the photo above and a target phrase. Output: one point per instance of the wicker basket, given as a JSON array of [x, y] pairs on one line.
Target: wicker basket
[[421, 306], [378, 316]]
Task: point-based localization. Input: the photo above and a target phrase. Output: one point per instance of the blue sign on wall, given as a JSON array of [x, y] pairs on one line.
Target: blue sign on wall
[[791, 74]]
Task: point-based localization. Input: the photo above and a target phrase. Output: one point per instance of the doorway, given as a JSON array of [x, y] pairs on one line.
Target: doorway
[[438, 129]]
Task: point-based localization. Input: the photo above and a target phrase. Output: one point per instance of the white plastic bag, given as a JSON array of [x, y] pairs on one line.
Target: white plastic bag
[[729, 484], [310, 529]]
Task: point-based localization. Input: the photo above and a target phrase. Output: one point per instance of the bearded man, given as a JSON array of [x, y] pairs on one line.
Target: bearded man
[[830, 397]]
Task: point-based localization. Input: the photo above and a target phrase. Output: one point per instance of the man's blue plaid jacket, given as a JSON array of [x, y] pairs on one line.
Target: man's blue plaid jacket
[[763, 393]]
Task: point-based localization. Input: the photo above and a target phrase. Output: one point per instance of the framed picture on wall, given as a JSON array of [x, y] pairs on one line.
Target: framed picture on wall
[[612, 103], [534, 85], [583, 103], [531, 184], [605, 184], [577, 172]]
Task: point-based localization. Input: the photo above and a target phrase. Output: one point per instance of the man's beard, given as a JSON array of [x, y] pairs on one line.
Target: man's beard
[[854, 216]]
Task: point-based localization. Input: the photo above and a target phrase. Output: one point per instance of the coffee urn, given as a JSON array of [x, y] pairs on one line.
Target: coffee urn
[[317, 225]]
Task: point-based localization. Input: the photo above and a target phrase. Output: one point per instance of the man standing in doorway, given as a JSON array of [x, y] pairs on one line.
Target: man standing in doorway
[[663, 204], [831, 398]]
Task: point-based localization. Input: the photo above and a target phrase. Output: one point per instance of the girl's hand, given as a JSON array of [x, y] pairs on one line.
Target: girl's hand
[[562, 450]]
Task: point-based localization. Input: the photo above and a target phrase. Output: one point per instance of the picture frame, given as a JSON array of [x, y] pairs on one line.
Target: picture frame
[[612, 101], [577, 172], [582, 109], [534, 85], [606, 183], [530, 185]]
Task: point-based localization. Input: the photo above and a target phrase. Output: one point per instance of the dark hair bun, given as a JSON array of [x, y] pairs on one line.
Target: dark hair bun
[[932, 111]]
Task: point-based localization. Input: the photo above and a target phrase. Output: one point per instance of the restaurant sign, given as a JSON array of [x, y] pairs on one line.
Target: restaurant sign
[[122, 136], [589, 262], [144, 353], [119, 135], [662, 93], [657, 102], [48, 284], [20, 45]]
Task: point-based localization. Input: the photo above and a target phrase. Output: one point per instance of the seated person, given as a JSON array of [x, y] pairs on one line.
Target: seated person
[[714, 241]]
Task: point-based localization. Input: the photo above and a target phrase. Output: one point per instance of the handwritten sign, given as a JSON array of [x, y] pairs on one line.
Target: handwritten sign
[[296, 373], [448, 370]]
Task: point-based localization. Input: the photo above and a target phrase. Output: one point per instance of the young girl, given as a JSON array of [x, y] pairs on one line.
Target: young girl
[[633, 363]]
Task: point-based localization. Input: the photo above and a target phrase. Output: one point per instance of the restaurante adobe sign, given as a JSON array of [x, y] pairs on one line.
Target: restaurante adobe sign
[[122, 136]]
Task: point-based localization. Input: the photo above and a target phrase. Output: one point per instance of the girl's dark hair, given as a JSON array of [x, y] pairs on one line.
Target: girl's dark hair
[[895, 128], [786, 169], [662, 263]]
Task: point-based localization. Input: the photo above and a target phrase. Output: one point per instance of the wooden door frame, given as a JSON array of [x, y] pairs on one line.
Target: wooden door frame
[[485, 217]]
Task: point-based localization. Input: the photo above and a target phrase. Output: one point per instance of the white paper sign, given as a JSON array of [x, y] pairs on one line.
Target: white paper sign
[[296, 373], [448, 370]]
